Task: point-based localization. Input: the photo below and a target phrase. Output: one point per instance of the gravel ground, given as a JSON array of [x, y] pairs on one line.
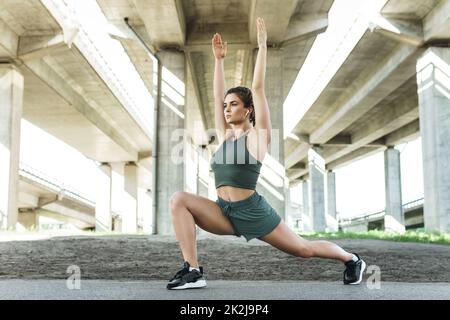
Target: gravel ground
[[122, 257]]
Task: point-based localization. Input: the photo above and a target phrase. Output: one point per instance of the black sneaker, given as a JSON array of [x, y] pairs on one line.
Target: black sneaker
[[185, 279], [354, 271]]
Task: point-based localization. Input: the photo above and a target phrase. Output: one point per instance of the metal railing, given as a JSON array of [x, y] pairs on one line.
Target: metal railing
[[380, 214], [54, 184]]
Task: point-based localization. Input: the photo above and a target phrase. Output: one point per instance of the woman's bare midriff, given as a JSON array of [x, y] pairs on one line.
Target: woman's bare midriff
[[230, 193]]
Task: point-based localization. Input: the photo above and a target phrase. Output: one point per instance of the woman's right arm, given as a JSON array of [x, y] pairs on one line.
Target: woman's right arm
[[219, 51]]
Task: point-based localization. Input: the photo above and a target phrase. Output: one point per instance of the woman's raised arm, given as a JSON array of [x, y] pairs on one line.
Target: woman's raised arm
[[219, 51], [262, 114]]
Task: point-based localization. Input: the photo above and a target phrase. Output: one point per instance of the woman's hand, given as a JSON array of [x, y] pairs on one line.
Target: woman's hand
[[262, 34], [219, 49]]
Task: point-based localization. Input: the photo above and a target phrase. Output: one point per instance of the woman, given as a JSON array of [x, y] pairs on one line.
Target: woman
[[243, 123]]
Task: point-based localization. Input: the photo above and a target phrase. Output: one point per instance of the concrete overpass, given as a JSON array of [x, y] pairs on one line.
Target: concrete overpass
[[378, 98], [55, 68], [413, 218], [41, 195], [179, 33], [53, 74]]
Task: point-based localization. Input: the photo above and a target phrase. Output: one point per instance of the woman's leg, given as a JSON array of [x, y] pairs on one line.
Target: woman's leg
[[283, 238], [188, 210]]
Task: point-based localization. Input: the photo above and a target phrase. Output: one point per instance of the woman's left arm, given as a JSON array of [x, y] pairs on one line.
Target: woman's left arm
[[262, 114]]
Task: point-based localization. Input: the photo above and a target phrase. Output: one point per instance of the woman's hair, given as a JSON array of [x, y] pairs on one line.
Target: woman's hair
[[245, 94]]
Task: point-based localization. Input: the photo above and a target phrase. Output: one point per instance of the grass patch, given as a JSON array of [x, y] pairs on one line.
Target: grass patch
[[408, 236]]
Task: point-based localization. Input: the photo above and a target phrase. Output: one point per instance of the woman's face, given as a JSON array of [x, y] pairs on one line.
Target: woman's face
[[233, 109]]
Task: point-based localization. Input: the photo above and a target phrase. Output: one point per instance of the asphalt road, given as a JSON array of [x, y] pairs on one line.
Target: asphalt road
[[219, 290]]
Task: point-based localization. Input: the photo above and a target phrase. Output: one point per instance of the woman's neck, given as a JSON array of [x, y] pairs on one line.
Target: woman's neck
[[239, 131]]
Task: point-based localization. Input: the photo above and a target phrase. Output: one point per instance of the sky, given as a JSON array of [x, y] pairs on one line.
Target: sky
[[359, 186]]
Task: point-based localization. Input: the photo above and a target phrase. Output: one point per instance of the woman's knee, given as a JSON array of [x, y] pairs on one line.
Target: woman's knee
[[177, 200], [305, 250]]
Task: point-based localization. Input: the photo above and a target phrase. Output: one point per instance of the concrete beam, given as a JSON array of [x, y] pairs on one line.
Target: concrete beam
[[387, 76], [136, 50], [395, 116], [164, 21], [405, 31], [299, 137], [306, 27], [276, 18], [37, 47], [9, 40], [296, 155], [436, 24], [62, 213], [294, 174], [298, 168], [201, 33], [353, 156], [27, 200], [340, 140], [206, 47], [405, 134], [59, 85]]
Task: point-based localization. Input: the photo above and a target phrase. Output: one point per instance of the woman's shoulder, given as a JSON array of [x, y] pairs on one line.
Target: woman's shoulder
[[255, 146]]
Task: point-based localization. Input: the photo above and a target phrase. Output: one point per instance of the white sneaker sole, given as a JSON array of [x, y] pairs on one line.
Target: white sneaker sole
[[363, 267], [191, 285]]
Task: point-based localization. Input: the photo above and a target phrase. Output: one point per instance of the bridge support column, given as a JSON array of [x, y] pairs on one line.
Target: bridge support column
[[145, 213], [28, 220], [171, 137], [306, 216], [433, 74], [11, 100], [129, 218], [275, 187], [332, 223], [103, 216], [203, 173], [393, 220], [317, 189], [290, 210]]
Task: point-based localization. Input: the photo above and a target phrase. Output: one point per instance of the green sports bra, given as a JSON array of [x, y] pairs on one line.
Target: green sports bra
[[233, 165]]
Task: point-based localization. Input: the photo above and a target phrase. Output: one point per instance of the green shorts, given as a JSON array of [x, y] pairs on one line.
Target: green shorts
[[252, 217]]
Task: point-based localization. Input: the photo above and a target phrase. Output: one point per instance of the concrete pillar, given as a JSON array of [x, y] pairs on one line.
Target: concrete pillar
[[129, 218], [171, 138], [433, 74], [203, 173], [306, 216], [274, 187], [11, 100], [28, 221], [103, 216], [393, 220], [289, 210], [144, 204], [332, 223], [317, 189]]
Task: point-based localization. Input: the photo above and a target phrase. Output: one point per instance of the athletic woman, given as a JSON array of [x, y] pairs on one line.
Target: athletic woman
[[243, 126]]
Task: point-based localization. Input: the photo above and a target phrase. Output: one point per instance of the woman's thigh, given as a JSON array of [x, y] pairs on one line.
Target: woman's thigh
[[206, 213]]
